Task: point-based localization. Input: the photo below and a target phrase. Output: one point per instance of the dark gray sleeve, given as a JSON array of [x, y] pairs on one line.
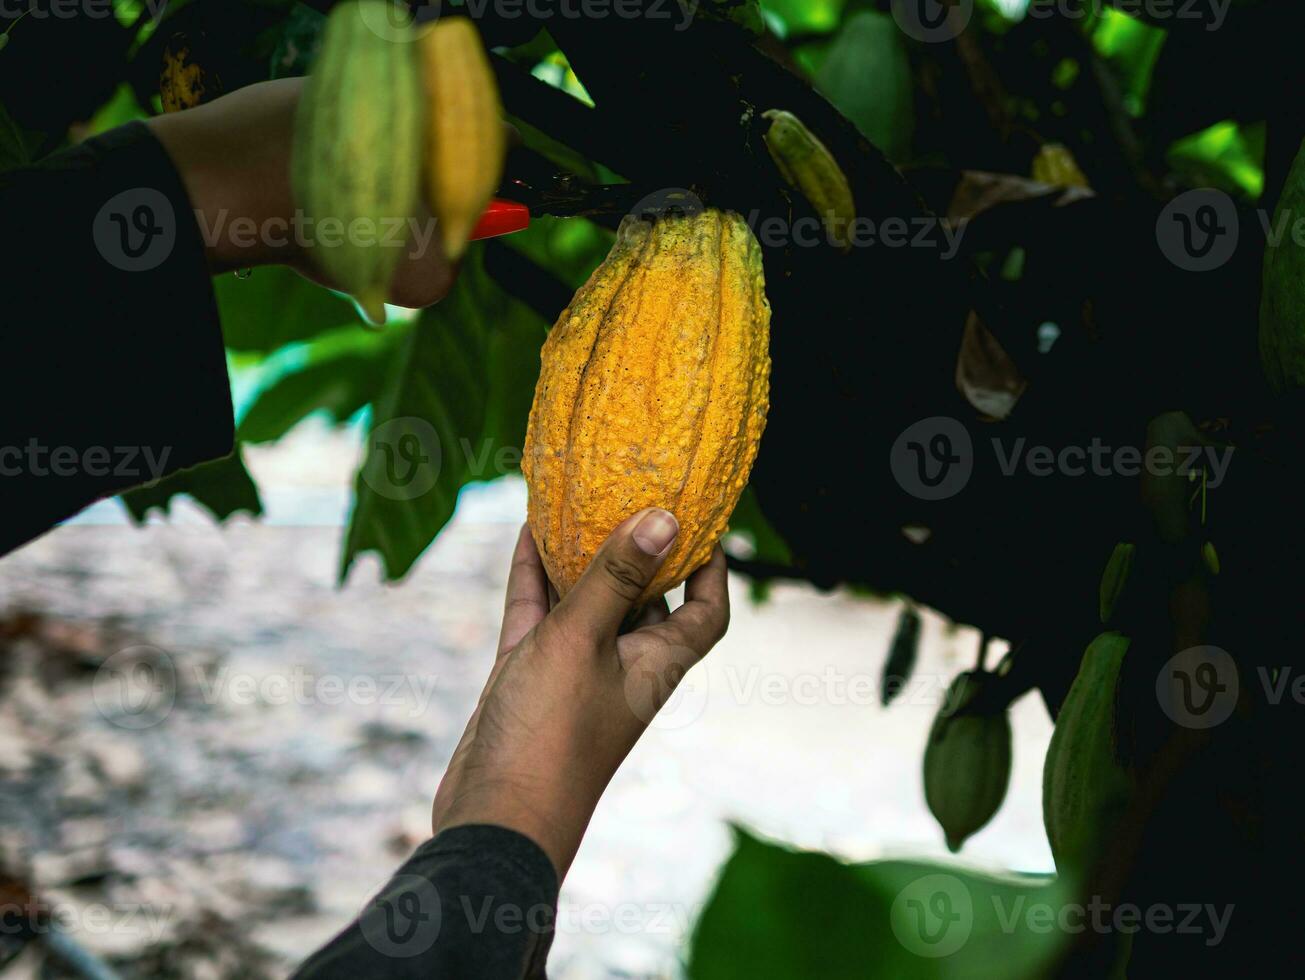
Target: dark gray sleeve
[[476, 902], [112, 369]]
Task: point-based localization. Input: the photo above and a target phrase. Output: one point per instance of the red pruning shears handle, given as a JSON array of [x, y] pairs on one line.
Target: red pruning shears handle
[[502, 217]]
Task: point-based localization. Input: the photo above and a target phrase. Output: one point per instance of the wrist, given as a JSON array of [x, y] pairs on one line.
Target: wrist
[[233, 156]]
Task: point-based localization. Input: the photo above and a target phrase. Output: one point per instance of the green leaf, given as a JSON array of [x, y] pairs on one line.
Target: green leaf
[[806, 16], [339, 373], [17, 145], [223, 486], [748, 519], [778, 913], [867, 76], [275, 306], [453, 410]]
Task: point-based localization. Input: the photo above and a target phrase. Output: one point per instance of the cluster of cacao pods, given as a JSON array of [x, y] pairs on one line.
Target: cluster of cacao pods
[[653, 391], [385, 102]]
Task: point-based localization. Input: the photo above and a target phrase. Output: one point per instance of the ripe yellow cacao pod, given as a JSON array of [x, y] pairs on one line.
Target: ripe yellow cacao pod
[[356, 158], [967, 761], [465, 144], [1055, 165], [811, 169], [653, 390]]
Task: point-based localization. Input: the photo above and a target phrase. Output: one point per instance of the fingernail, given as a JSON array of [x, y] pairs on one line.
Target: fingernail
[[655, 532]]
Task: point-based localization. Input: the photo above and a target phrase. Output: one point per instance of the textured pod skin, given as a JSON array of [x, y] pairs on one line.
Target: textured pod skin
[[1084, 788], [1115, 577], [1055, 165], [967, 762], [810, 168], [653, 390], [1282, 297], [357, 150], [465, 143]]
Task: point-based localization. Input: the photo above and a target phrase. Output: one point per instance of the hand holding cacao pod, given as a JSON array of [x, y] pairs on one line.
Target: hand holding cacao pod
[[653, 391]]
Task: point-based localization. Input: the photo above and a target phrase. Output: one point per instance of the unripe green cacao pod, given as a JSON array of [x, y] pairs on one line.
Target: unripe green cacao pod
[[901, 655], [357, 148], [811, 169], [967, 761], [1084, 787], [1115, 577], [1282, 296], [1211, 557]]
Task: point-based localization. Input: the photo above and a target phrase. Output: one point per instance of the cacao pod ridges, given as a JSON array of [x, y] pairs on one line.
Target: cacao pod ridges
[[807, 166], [356, 156], [967, 760], [653, 391], [465, 141], [1085, 789]]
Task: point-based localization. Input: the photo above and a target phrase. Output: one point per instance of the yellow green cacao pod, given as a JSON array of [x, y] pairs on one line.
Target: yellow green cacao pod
[[810, 168], [356, 158], [1115, 577], [1056, 165], [967, 760], [653, 391], [465, 143], [1084, 788], [1211, 557]]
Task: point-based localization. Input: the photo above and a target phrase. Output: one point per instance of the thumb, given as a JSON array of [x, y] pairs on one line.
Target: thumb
[[618, 574]]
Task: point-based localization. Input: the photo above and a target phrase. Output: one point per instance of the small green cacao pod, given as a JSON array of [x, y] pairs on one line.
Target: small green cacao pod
[[810, 168], [1084, 787], [1115, 577], [901, 655], [1211, 557], [356, 159], [967, 761]]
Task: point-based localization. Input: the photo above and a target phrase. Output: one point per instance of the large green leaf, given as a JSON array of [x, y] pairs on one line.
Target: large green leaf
[[806, 16], [453, 411], [275, 306], [777, 914], [867, 76], [223, 486], [339, 373]]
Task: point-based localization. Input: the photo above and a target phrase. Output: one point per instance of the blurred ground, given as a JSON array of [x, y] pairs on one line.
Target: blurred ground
[[234, 821]]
